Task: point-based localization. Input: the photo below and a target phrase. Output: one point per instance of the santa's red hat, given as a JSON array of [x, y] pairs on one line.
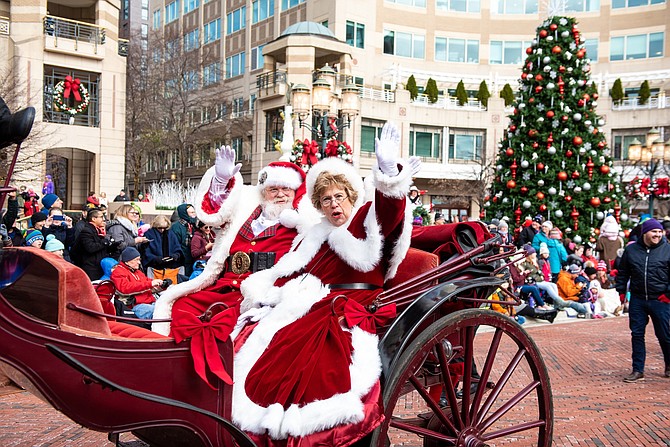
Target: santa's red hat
[[283, 174]]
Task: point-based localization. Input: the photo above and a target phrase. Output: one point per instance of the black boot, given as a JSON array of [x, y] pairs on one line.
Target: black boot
[[14, 127], [548, 315]]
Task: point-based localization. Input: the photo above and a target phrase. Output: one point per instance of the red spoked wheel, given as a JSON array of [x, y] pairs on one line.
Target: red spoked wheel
[[510, 400]]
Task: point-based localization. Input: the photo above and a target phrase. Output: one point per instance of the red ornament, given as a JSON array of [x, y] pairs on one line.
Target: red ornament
[[577, 141], [568, 199], [517, 214], [586, 97], [589, 168], [561, 86], [514, 167], [601, 145], [604, 169], [617, 211], [595, 96], [538, 77], [511, 184], [550, 139], [595, 202], [543, 33], [581, 53], [540, 195], [626, 233], [607, 199], [562, 176], [524, 75], [568, 153], [561, 69], [596, 231], [580, 103], [550, 114], [575, 216], [564, 118], [532, 133], [512, 128], [538, 89], [575, 175], [529, 51], [494, 199], [553, 27], [524, 190], [531, 100], [556, 50], [482, 214], [540, 166], [509, 151], [543, 207]]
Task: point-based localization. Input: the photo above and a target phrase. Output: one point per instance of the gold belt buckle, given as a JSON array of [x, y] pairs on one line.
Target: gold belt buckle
[[240, 263]]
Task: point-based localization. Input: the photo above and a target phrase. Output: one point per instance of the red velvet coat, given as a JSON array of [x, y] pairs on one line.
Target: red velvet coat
[[300, 377]]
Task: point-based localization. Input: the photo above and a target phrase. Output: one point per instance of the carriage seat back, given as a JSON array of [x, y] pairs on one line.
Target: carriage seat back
[[41, 284], [415, 263]]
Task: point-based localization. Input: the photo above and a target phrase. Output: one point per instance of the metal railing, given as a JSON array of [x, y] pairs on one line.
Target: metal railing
[[449, 103], [4, 26], [123, 47], [376, 94], [62, 28], [658, 102], [270, 80]]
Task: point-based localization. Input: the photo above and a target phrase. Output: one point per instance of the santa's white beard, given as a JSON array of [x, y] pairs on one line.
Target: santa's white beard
[[273, 210]]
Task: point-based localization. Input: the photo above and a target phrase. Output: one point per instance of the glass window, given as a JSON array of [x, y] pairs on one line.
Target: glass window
[[507, 52], [440, 49], [286, 4], [404, 44], [157, 19], [262, 9], [236, 20], [211, 74], [191, 80], [369, 132], [144, 29], [355, 34], [456, 50], [656, 44], [212, 31], [257, 58], [465, 145], [591, 46], [636, 47], [617, 4], [617, 48], [192, 40], [514, 6], [640, 46], [190, 5], [235, 65], [458, 5], [425, 142], [172, 11]]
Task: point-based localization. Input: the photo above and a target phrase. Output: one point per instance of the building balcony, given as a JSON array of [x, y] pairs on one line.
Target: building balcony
[[450, 103], [658, 102], [271, 84], [374, 94], [73, 37]]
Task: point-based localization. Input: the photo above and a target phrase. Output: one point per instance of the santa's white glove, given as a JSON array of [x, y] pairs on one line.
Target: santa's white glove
[[414, 165], [224, 166], [251, 316], [387, 149]]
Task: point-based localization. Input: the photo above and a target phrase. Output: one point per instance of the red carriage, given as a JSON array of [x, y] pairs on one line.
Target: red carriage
[[453, 374]]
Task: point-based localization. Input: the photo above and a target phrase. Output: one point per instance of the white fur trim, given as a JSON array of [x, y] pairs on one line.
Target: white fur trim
[[336, 165], [360, 254], [280, 176], [401, 245], [229, 206], [247, 203], [395, 187], [314, 416]]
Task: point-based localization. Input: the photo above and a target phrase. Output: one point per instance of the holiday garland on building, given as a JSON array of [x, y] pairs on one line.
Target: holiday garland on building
[[306, 153], [553, 160], [71, 87]]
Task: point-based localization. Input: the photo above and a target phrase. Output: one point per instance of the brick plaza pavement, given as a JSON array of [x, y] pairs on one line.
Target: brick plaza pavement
[[586, 361]]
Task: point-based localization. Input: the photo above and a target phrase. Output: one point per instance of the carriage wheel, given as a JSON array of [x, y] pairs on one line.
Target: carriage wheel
[[509, 403]]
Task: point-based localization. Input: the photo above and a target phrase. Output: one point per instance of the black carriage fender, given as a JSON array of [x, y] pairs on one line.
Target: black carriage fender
[[407, 325]]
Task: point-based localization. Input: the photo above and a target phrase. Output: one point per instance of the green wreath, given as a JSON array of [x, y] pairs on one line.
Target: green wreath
[[75, 88]]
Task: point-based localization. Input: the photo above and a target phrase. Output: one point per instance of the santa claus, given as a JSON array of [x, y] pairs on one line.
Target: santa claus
[[254, 225], [308, 372]]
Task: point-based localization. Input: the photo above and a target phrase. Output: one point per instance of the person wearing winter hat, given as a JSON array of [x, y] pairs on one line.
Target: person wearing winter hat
[[51, 201], [569, 290], [557, 253], [53, 245], [259, 218], [132, 284], [609, 240], [644, 272], [34, 238], [38, 220], [529, 231]]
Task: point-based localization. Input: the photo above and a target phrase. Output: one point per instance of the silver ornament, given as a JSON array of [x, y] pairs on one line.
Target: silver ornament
[[546, 59], [540, 182], [624, 217], [600, 215], [526, 204], [586, 186], [577, 116], [524, 164], [577, 189], [577, 239], [551, 150], [552, 190], [558, 213]]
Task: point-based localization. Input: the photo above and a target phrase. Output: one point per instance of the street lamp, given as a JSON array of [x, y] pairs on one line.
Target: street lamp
[[654, 153], [333, 111]]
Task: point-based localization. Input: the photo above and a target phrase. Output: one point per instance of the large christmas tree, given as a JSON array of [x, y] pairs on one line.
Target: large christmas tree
[[553, 159]]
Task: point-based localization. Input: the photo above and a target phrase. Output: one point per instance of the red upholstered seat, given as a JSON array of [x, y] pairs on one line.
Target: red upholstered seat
[[105, 291], [129, 331], [415, 263]]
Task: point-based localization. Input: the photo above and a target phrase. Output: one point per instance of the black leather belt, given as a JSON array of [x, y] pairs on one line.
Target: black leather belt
[[354, 285], [242, 262]]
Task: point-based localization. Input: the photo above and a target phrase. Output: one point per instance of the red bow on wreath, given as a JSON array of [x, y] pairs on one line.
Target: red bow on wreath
[[72, 85], [332, 148], [357, 315], [204, 349], [309, 151]]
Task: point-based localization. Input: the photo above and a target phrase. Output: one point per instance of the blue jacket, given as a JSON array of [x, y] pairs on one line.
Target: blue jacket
[[557, 252], [647, 268], [154, 253]]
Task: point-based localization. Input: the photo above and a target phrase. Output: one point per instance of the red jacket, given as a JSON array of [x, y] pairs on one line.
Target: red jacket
[[133, 283]]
